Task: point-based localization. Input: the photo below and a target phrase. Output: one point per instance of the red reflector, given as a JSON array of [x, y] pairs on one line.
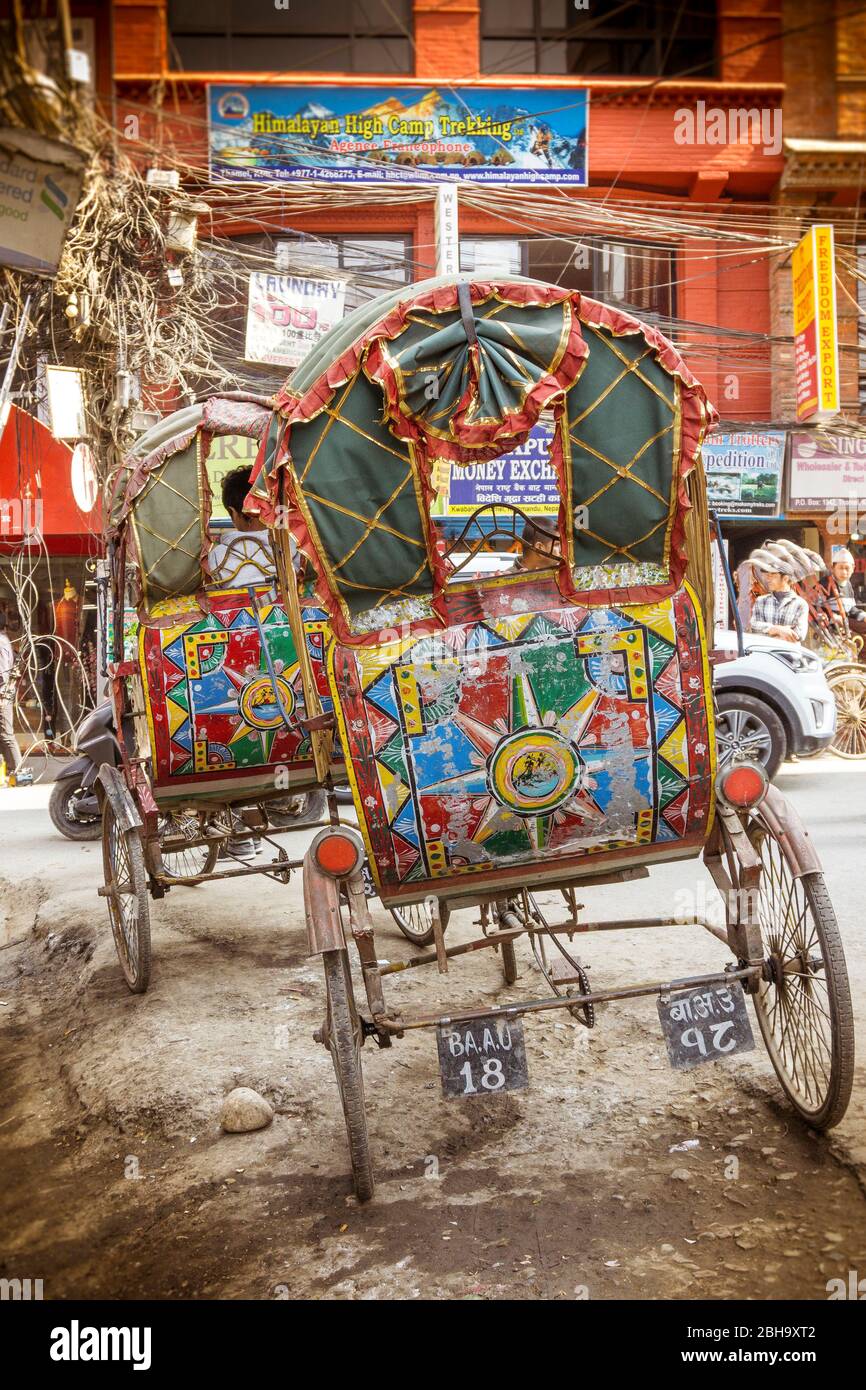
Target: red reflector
[[743, 786], [337, 855]]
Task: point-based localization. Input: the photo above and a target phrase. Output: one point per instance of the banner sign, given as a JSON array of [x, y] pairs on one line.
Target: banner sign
[[826, 472], [523, 477], [287, 314], [816, 343], [744, 472], [496, 135], [40, 185], [227, 452]]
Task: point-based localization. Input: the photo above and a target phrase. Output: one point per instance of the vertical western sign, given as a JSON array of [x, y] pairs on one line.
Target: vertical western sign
[[816, 342]]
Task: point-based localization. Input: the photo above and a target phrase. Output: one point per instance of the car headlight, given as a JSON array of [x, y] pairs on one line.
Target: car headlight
[[798, 661]]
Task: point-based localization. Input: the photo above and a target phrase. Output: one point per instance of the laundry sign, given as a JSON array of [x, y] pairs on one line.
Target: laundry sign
[[40, 185], [288, 314]]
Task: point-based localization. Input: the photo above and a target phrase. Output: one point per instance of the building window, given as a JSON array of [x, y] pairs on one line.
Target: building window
[[371, 265], [622, 38], [633, 275], [308, 36]]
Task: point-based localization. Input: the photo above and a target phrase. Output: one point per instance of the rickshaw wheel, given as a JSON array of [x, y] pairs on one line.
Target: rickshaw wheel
[[191, 862], [126, 895], [849, 692], [416, 921], [344, 1039], [803, 1003], [509, 962]]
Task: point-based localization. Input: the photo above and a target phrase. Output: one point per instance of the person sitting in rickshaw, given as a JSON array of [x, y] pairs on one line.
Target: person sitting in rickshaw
[[838, 599], [241, 555], [780, 612], [539, 547]]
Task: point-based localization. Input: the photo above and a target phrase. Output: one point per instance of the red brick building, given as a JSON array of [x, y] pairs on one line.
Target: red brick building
[[680, 231]]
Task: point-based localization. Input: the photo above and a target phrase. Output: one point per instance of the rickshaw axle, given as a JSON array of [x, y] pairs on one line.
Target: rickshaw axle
[[276, 868], [510, 933], [400, 1024]]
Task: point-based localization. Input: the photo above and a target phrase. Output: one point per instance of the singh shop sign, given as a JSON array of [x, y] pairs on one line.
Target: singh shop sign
[[345, 134], [826, 472]]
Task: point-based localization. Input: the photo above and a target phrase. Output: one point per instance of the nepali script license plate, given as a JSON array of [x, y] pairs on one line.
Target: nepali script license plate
[[704, 1025], [482, 1057]]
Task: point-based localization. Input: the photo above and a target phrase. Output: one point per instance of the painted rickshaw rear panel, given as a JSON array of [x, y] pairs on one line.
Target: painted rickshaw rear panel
[[521, 743], [209, 656], [211, 709], [515, 729]]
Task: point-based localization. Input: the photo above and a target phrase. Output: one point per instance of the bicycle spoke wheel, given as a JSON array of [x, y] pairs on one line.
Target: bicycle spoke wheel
[[126, 895], [184, 861], [416, 921], [803, 1002], [849, 692], [344, 1039]]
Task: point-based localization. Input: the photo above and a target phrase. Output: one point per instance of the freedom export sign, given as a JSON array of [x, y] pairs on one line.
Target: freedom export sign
[[816, 344]]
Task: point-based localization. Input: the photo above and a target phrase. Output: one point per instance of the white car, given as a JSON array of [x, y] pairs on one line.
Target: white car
[[772, 703]]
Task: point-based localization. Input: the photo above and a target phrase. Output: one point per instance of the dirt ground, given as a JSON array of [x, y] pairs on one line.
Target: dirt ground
[[118, 1182]]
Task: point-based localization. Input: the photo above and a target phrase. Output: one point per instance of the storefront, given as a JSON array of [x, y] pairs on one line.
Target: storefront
[[827, 491], [745, 483], [49, 537]]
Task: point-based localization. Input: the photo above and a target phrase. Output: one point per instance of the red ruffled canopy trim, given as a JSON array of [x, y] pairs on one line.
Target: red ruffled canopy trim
[[480, 442]]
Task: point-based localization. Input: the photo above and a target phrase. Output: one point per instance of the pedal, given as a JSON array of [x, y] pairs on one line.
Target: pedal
[[563, 973]]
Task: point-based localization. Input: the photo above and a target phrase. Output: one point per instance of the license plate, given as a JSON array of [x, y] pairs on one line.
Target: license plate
[[482, 1057], [705, 1025]]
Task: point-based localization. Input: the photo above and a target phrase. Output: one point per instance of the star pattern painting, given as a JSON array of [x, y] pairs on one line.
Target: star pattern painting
[[215, 703], [509, 741]]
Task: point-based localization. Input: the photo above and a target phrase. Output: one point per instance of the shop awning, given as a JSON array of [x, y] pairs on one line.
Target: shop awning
[[46, 486]]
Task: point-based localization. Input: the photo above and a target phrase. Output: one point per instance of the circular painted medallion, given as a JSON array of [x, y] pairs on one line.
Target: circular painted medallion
[[258, 705], [534, 771]]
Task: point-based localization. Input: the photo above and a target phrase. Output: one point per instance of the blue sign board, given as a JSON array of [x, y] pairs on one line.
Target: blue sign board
[[496, 135], [523, 478], [744, 472]]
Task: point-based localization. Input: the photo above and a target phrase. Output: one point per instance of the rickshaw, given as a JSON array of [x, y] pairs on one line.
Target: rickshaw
[[840, 648], [831, 637], [210, 682], [541, 729]]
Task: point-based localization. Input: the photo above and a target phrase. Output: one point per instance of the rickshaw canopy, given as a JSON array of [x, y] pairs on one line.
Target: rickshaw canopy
[[459, 371], [163, 496]]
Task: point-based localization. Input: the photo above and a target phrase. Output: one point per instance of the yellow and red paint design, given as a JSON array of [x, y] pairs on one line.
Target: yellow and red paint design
[[513, 740], [213, 706]]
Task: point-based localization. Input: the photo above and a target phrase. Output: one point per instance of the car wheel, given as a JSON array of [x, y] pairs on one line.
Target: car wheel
[[747, 725]]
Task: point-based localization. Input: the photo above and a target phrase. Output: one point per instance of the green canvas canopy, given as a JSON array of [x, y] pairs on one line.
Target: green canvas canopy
[[162, 498], [458, 370]]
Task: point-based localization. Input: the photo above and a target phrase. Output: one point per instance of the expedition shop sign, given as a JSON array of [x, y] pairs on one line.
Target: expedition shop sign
[[497, 134], [744, 472]]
